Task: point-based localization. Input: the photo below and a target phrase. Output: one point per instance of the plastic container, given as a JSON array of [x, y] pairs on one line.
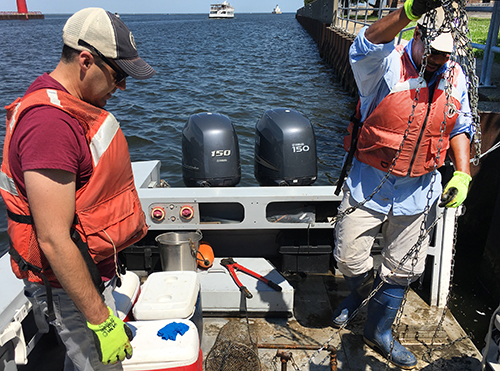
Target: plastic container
[[126, 295], [304, 251], [168, 295], [152, 353], [178, 250], [306, 259]]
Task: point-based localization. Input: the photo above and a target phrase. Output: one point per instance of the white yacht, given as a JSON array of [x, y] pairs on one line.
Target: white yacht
[[221, 10], [277, 10]]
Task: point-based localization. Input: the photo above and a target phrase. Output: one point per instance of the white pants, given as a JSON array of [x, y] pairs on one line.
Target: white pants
[[71, 325], [355, 235]]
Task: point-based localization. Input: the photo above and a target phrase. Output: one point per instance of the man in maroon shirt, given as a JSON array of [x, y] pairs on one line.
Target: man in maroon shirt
[[50, 159]]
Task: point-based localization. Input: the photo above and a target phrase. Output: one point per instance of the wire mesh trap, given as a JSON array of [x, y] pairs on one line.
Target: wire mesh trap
[[234, 349]]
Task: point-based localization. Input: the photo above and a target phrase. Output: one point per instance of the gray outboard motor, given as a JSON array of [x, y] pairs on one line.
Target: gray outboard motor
[[285, 149], [210, 152]]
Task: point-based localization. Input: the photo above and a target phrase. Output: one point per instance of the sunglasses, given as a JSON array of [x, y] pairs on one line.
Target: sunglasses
[[439, 52], [120, 76]]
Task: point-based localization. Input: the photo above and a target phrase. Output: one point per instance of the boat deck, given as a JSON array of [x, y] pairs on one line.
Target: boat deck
[[315, 296]]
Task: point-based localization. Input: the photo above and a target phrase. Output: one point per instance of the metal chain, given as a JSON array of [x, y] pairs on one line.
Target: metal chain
[[365, 302], [351, 209], [431, 348], [455, 18], [428, 23], [468, 64], [274, 360], [294, 365]]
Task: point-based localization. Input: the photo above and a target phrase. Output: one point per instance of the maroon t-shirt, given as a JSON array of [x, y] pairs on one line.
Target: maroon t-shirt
[[49, 138]]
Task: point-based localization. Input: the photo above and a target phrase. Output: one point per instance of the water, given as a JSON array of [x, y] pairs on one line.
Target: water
[[240, 68]]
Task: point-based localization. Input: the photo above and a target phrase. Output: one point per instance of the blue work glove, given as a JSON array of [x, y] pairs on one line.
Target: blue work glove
[[112, 339], [455, 192], [414, 9], [170, 331]]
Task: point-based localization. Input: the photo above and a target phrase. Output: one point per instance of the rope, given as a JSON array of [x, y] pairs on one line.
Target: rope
[[494, 147]]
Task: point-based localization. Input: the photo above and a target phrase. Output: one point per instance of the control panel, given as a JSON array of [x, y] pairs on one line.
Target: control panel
[[174, 213]]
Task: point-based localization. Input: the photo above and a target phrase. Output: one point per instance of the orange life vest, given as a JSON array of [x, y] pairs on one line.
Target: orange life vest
[[108, 216], [382, 132]]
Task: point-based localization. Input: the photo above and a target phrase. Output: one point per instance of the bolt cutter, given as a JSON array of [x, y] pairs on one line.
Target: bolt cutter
[[232, 266]]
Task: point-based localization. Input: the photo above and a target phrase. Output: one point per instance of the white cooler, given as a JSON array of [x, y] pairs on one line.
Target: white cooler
[[170, 295], [152, 353], [126, 295]]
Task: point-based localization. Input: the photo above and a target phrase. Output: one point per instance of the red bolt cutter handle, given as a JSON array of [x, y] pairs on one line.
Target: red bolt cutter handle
[[258, 276], [231, 265]]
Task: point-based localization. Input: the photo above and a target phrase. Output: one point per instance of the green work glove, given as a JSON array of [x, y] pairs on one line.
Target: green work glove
[[415, 8], [112, 339], [456, 190]]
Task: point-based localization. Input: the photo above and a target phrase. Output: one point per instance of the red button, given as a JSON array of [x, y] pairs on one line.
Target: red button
[[158, 213], [187, 212]]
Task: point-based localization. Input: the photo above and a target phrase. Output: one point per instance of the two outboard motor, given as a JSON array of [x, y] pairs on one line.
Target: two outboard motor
[[210, 152], [285, 149]]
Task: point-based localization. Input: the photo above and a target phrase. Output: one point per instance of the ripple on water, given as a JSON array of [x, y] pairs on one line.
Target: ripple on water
[[239, 68]]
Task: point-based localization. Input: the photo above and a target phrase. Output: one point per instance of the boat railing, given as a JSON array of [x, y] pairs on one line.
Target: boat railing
[[242, 211], [357, 15], [352, 16]]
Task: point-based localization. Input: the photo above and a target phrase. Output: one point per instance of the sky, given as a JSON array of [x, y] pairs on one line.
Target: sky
[[152, 6]]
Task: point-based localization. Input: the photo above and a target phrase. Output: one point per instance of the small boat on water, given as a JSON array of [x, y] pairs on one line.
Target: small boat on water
[[277, 9], [221, 10]]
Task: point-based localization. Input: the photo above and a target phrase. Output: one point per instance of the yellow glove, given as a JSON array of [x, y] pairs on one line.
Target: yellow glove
[[112, 339], [456, 190], [414, 9]]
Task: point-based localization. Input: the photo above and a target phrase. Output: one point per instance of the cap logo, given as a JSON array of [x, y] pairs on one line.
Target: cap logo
[[132, 40]]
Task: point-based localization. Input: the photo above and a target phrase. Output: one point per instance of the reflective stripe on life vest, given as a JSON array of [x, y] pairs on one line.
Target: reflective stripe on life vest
[[102, 139], [7, 184], [109, 216], [383, 130]]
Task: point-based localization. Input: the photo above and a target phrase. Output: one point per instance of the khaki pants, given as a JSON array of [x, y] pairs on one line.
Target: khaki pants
[[355, 235]]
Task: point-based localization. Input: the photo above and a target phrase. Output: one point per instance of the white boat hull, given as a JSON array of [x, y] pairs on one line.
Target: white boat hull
[[221, 16]]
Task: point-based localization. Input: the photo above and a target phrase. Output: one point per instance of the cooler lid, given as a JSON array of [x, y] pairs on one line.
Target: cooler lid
[[167, 295], [151, 352]]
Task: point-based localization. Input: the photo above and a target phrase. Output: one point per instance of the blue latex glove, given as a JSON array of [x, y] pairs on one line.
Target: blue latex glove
[[170, 331]]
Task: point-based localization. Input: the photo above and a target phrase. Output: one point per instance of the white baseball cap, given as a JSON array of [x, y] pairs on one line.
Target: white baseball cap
[[110, 36], [444, 41]]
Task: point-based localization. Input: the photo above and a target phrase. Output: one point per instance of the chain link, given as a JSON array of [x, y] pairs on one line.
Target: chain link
[[430, 348], [456, 22], [294, 365]]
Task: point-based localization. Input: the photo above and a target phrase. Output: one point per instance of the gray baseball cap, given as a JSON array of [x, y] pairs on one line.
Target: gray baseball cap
[[110, 36]]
